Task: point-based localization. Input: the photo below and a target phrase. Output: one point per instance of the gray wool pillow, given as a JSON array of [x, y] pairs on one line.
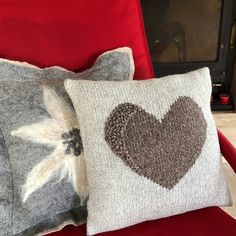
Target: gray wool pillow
[[151, 148], [43, 183]]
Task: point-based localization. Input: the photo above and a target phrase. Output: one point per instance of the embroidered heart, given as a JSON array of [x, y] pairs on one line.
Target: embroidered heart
[[162, 151]]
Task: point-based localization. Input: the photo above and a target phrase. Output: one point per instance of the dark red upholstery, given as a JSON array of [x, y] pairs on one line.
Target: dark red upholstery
[[72, 34], [209, 221], [227, 150]]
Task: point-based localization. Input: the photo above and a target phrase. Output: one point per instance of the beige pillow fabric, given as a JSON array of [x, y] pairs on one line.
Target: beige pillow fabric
[[151, 148]]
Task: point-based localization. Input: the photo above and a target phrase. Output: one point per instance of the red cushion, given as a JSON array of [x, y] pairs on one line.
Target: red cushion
[[204, 222], [227, 150], [72, 33]]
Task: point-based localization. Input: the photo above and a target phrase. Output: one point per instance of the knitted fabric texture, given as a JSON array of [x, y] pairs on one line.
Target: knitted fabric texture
[[43, 182], [151, 148]]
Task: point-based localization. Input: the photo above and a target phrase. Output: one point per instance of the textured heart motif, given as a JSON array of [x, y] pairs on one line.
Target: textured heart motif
[[162, 151]]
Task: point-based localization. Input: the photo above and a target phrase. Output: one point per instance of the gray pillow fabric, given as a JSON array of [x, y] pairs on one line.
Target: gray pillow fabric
[[43, 183], [151, 148]]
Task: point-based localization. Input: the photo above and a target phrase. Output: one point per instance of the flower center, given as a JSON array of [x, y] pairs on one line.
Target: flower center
[[73, 141]]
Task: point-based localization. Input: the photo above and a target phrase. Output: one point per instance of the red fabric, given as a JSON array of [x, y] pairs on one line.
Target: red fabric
[[227, 150], [72, 33], [205, 222]]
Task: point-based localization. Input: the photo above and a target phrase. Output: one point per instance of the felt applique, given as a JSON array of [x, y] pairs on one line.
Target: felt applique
[[163, 151], [62, 132]]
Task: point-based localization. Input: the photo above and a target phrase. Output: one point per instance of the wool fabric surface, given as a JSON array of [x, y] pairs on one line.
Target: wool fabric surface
[[43, 183], [151, 148]]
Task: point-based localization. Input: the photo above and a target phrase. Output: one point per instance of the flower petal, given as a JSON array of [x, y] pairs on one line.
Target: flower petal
[[80, 181], [43, 172], [75, 168], [59, 109], [44, 132]]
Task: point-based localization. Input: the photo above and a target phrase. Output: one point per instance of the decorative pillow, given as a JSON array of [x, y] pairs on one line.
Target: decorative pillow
[[43, 183], [151, 148]]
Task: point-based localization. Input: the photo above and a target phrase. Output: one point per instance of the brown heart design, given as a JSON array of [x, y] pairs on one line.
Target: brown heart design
[[160, 151]]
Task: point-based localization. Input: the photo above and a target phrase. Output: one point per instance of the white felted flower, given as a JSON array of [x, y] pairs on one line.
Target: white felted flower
[[62, 132]]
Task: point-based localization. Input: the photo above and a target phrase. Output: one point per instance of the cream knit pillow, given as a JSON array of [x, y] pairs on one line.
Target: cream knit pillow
[[151, 148]]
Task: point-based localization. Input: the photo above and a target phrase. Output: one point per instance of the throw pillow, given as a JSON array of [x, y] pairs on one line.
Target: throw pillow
[[151, 148], [43, 183]]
